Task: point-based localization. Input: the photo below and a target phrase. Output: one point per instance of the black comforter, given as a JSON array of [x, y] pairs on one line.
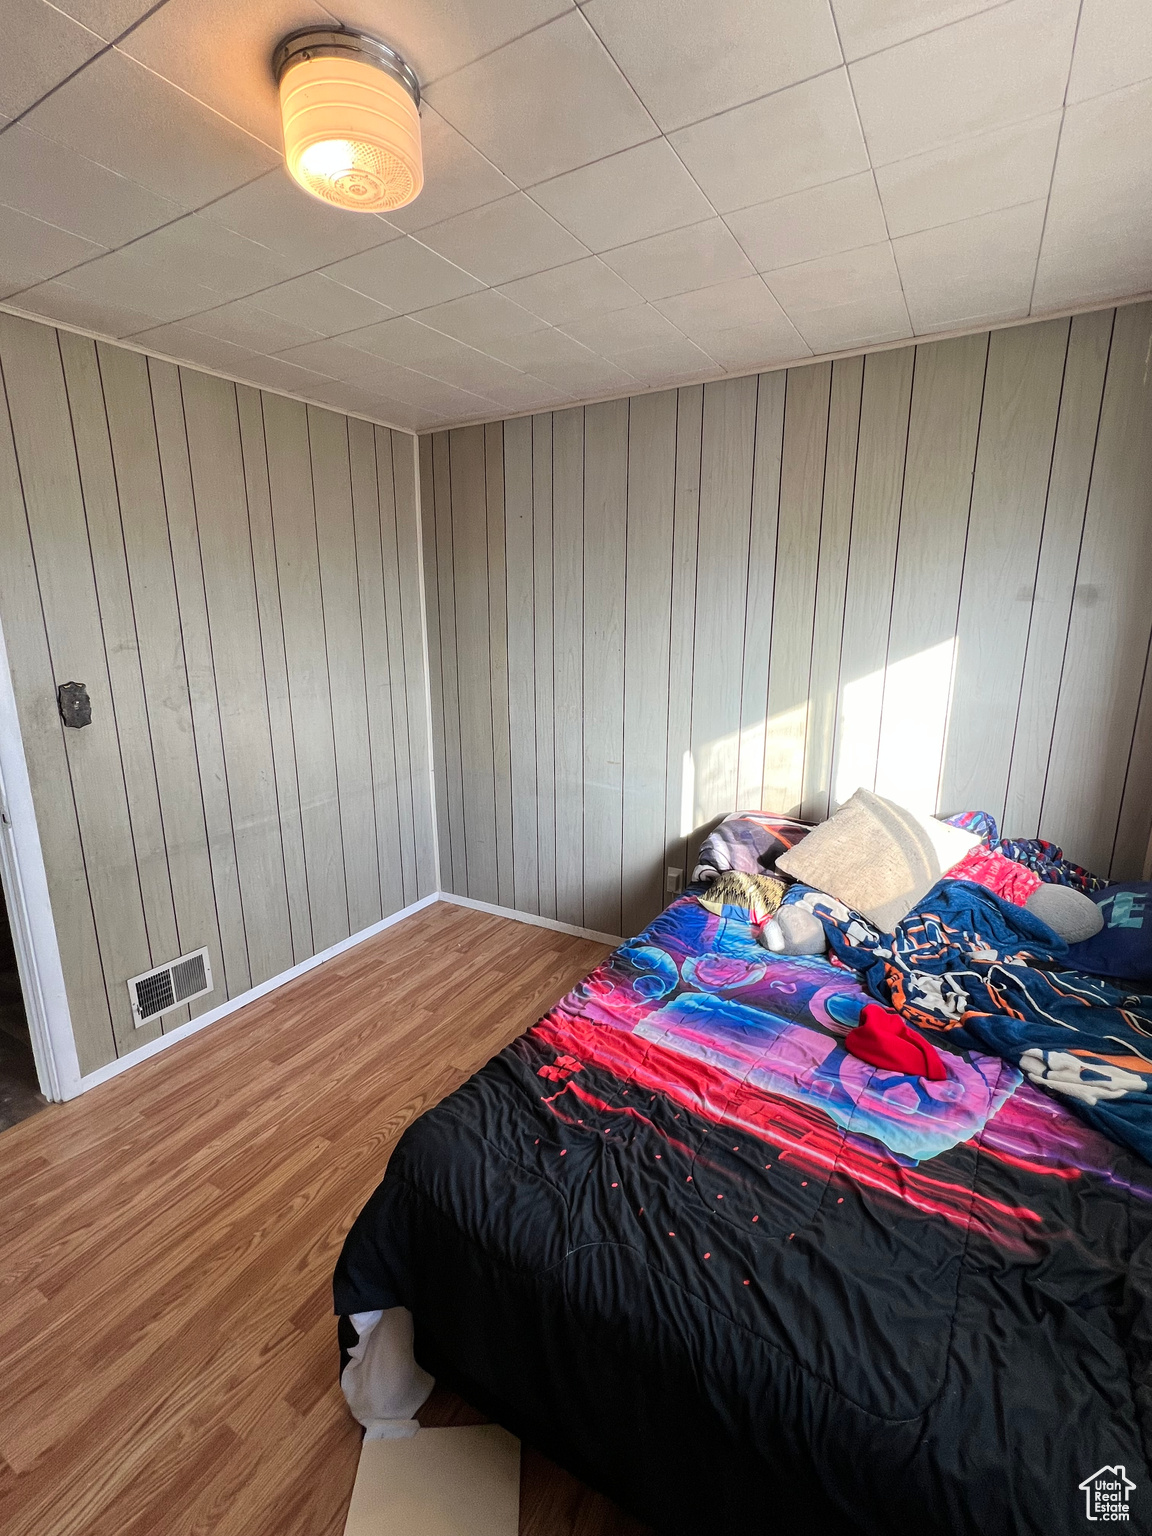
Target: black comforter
[[683, 1242]]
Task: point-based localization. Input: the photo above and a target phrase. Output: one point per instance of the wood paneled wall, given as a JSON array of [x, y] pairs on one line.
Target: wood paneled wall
[[235, 577], [928, 571]]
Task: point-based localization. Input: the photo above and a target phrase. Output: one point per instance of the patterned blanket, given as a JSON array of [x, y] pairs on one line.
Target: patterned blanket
[[987, 974]]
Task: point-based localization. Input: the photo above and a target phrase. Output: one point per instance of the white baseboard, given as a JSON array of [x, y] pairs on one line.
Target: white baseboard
[[234, 1004], [530, 917]]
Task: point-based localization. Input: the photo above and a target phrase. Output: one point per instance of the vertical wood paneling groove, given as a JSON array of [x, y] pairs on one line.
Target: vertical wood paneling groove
[[568, 649], [726, 461], [521, 660], [1077, 431], [942, 437], [605, 552], [131, 426], [1096, 713], [449, 671], [57, 524], [679, 795], [839, 489], [902, 570], [330, 458], [647, 616], [277, 696], [409, 663], [544, 651], [34, 681], [212, 562], [759, 588], [176, 475], [474, 673], [106, 546], [498, 655]]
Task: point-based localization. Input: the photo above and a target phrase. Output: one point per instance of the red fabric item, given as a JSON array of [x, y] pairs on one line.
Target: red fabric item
[[1004, 877], [884, 1040]]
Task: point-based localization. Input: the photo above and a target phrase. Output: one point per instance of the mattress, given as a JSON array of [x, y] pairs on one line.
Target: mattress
[[683, 1242]]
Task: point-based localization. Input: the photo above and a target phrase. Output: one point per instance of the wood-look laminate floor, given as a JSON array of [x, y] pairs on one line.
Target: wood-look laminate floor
[[167, 1349]]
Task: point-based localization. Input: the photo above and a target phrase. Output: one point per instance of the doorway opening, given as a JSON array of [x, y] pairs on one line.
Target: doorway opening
[[20, 1094]]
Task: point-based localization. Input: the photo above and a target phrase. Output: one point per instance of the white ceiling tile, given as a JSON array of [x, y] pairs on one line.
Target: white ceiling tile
[[53, 183], [683, 259], [308, 233], [402, 342], [446, 400], [465, 368], [403, 274], [640, 192], [971, 176], [587, 376], [577, 289], [1098, 236], [190, 346], [246, 325], [59, 300], [124, 117], [315, 301], [528, 394], [742, 301], [687, 63], [543, 353], [750, 348], [221, 53], [996, 253], [1002, 66], [624, 330], [351, 401], [504, 240], [436, 39], [1113, 47], [797, 138], [481, 318], [32, 251], [860, 323], [816, 222], [867, 26], [279, 374], [194, 250], [41, 48], [544, 104], [456, 176], [671, 355], [107, 18], [337, 360], [407, 419], [1071, 272], [848, 277], [129, 282]]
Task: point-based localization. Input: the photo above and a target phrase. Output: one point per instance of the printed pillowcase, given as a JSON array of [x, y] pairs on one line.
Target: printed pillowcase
[[749, 842], [1123, 947]]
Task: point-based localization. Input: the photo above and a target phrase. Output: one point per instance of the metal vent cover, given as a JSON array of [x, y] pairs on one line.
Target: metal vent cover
[[168, 986]]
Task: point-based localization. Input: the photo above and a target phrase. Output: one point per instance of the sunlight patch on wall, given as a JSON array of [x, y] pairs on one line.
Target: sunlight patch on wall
[[784, 760], [893, 727]]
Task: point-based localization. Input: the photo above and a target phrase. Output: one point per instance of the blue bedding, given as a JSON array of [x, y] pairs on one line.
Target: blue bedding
[[988, 973]]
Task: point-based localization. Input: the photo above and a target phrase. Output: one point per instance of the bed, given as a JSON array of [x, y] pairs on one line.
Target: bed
[[683, 1242]]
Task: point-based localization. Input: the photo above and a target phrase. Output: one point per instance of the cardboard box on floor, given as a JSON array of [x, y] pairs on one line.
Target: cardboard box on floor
[[440, 1482]]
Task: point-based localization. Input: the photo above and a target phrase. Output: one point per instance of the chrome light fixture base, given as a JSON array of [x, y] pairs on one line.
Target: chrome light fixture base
[[343, 42]]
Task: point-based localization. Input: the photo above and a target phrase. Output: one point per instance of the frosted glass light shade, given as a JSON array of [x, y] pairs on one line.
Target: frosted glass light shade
[[351, 131]]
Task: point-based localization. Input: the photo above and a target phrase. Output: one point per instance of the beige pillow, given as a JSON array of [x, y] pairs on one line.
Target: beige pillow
[[877, 857]]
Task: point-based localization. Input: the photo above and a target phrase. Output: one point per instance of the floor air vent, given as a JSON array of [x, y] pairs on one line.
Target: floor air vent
[[168, 986]]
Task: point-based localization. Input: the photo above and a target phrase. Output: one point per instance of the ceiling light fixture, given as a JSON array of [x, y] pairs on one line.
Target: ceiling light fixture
[[351, 111]]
